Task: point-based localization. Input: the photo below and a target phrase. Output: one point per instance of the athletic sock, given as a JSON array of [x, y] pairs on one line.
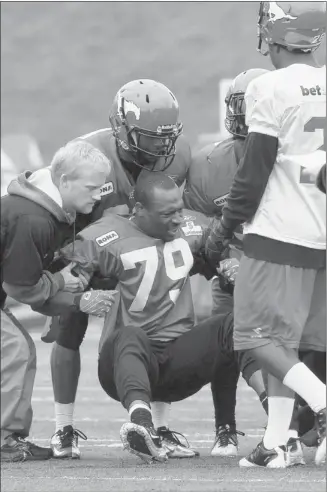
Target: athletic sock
[[64, 415], [160, 414], [301, 380], [140, 414], [138, 404], [280, 410], [292, 433]]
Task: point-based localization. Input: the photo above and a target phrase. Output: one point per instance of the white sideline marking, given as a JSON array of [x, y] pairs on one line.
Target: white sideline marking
[[169, 479]]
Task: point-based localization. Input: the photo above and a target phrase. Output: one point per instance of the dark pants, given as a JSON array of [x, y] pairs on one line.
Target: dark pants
[[132, 367], [316, 362]]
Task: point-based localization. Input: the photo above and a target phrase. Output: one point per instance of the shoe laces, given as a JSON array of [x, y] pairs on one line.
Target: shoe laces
[[68, 435], [77, 433], [172, 436], [20, 442], [226, 435]]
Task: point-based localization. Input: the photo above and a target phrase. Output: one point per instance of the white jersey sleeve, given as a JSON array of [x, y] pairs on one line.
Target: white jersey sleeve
[[290, 104], [261, 111]]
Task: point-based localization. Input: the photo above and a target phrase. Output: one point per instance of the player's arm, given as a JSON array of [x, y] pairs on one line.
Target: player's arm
[[260, 154], [250, 180], [87, 259], [201, 265], [90, 258], [22, 271], [253, 172]]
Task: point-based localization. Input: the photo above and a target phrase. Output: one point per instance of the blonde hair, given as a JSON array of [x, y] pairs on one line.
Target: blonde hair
[[74, 157]]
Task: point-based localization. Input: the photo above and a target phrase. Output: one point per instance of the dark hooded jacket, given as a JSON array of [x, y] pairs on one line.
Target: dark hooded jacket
[[33, 227]]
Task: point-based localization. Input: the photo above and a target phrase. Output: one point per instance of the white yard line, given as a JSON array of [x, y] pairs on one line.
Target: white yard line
[[171, 479]]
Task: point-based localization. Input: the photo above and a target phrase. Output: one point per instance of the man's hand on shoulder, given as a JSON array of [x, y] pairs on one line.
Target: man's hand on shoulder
[[74, 283]]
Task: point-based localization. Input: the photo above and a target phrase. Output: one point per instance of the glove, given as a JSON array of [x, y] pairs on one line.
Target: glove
[[217, 244], [227, 273], [97, 302], [229, 269]]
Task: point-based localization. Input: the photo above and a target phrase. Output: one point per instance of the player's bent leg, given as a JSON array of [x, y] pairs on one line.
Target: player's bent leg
[[18, 367], [65, 371], [127, 369], [224, 391], [272, 327], [302, 428], [304, 420], [188, 363]]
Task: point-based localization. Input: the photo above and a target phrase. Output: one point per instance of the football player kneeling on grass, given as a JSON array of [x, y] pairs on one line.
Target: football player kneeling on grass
[[151, 349]]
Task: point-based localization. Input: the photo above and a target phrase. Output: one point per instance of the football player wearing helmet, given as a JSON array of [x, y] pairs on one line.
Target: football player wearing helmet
[[145, 136], [208, 181], [280, 291]]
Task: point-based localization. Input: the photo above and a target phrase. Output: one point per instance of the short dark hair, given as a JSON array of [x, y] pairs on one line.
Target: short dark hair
[[147, 182]]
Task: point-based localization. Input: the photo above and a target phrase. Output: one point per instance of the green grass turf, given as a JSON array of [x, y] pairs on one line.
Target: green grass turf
[[105, 466]]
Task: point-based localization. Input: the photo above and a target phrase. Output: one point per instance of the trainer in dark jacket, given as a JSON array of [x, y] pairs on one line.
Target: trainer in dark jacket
[[33, 227], [34, 224]]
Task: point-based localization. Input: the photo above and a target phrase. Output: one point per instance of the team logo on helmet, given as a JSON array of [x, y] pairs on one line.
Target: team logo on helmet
[[125, 106], [277, 13], [293, 25]]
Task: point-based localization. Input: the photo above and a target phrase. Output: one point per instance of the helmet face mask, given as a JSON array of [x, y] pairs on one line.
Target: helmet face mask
[[144, 119], [235, 103], [148, 147], [296, 26], [235, 114]]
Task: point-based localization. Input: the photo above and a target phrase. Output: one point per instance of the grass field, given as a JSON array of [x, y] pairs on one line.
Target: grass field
[[105, 466], [61, 64]]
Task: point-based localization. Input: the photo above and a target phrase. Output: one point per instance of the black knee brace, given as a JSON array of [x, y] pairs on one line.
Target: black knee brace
[[72, 329], [248, 365]]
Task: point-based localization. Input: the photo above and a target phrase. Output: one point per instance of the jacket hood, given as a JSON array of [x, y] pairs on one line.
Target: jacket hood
[[39, 188]]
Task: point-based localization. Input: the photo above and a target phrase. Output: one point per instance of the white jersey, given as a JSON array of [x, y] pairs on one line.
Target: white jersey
[[290, 104]]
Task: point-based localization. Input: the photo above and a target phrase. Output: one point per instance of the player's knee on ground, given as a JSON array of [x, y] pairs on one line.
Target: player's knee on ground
[[72, 329]]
